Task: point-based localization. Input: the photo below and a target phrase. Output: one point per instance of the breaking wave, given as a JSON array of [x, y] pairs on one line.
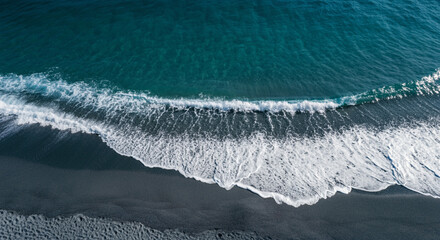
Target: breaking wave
[[106, 97]]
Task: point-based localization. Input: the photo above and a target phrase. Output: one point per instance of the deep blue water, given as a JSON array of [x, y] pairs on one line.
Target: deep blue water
[[235, 49]]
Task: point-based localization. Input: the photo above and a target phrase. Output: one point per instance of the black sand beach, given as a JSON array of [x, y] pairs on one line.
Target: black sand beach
[[96, 182], [220, 119]]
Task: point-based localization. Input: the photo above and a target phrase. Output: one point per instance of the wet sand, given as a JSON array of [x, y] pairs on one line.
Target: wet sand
[[168, 201], [79, 174]]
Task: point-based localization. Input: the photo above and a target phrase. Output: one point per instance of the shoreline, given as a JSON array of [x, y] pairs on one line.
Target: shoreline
[[54, 173]]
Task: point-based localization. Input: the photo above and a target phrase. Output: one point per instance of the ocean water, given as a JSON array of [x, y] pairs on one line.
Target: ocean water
[[292, 100]]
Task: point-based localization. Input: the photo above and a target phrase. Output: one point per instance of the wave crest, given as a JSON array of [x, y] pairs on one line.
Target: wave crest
[[107, 97]]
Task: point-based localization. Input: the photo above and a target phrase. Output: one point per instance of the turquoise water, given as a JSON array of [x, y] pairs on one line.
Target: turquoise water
[[232, 49], [292, 100]]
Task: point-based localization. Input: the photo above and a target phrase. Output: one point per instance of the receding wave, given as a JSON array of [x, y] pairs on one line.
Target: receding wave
[[294, 169]]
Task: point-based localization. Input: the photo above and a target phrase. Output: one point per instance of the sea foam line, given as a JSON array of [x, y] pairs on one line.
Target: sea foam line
[[100, 98], [290, 170], [106, 98]]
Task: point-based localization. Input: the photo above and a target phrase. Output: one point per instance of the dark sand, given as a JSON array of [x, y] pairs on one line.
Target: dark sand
[[40, 178]]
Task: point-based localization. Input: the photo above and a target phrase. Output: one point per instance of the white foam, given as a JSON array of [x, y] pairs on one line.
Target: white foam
[[109, 98], [30, 114], [425, 86], [290, 170]]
